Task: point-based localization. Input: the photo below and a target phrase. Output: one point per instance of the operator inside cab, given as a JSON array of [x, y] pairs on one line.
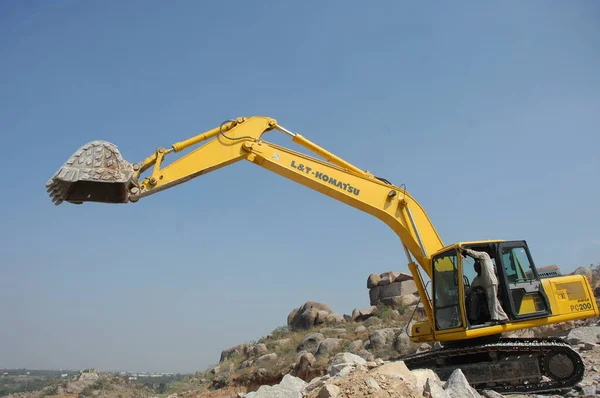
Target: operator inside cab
[[484, 289]]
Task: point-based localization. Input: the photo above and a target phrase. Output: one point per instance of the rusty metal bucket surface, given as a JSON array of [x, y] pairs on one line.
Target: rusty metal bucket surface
[[96, 172]]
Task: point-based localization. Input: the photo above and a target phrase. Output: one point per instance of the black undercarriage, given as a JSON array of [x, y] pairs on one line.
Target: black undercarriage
[[507, 365]]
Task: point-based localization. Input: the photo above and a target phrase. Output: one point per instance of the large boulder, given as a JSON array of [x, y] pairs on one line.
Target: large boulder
[[311, 343], [308, 315], [422, 375], [382, 339], [304, 364], [265, 360], [394, 289], [334, 318], [343, 360], [291, 316], [233, 351], [356, 346], [329, 347], [373, 280], [400, 302], [403, 345], [260, 349], [457, 386], [586, 334], [360, 314]]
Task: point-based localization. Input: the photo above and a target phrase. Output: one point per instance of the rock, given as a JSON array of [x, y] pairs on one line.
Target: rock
[[311, 343], [345, 371], [382, 339], [389, 294], [355, 346], [588, 391], [405, 302], [395, 369], [307, 314], [306, 320], [360, 329], [329, 347], [434, 389], [422, 375], [424, 347], [246, 364], [492, 394], [232, 352], [260, 349], [291, 316], [391, 275], [342, 360], [585, 334], [382, 291], [372, 384], [282, 343], [359, 315], [265, 359], [373, 280], [386, 280], [457, 386], [402, 277], [329, 391], [335, 331], [597, 291], [373, 321], [292, 383], [321, 317], [408, 300], [371, 364], [215, 370], [334, 318], [366, 355], [524, 333], [403, 345], [249, 351], [590, 346], [316, 383], [304, 364], [276, 391]]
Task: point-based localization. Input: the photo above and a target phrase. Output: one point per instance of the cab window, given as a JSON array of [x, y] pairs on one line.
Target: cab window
[[445, 284]]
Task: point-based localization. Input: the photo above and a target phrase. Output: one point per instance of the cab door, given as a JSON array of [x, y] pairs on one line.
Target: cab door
[[522, 293], [448, 292]]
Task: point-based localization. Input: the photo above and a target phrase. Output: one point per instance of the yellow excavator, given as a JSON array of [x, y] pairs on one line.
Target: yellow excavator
[[97, 172]]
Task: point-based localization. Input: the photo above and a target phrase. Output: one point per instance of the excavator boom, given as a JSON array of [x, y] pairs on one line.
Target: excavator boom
[[97, 172]]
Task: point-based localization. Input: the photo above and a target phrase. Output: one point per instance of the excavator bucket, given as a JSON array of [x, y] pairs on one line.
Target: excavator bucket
[[96, 172]]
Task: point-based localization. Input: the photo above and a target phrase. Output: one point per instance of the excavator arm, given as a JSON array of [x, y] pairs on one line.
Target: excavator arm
[[98, 173]]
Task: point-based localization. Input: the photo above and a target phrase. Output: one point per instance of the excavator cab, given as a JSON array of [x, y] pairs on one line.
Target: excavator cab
[[459, 307]]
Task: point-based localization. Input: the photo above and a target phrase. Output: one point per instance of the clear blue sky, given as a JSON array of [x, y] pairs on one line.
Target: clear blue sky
[[489, 113]]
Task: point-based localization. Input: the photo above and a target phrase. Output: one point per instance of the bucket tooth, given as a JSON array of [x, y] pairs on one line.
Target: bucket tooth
[[96, 172]]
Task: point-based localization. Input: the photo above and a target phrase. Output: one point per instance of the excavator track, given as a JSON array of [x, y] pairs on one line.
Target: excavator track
[[507, 365]]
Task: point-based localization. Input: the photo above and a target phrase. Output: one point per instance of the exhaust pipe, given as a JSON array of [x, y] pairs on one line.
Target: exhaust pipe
[[96, 172]]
